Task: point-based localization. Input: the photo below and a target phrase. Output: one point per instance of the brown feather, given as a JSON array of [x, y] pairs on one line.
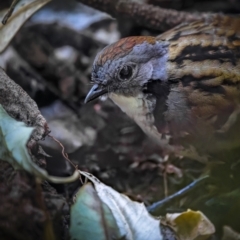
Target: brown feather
[[204, 58]]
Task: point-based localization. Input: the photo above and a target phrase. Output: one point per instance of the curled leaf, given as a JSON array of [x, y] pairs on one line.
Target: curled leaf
[[14, 136]]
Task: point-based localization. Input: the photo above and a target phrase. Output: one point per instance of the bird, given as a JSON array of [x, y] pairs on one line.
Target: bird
[[181, 87]]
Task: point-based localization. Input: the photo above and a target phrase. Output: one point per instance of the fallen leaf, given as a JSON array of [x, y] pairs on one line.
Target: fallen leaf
[[230, 234], [190, 225], [91, 218], [131, 218]]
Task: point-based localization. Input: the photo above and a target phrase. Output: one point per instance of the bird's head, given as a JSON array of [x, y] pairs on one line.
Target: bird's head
[[127, 66]]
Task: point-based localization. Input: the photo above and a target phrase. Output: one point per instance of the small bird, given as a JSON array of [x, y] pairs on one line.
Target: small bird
[[181, 87]]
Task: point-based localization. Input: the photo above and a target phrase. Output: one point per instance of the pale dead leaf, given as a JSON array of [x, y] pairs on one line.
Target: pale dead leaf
[[23, 10], [230, 234], [131, 218]]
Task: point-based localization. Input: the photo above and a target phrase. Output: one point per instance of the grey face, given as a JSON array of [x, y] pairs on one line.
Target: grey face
[[117, 76], [128, 74]]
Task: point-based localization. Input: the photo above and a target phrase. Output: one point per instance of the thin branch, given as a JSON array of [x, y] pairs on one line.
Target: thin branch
[[147, 15], [158, 206]]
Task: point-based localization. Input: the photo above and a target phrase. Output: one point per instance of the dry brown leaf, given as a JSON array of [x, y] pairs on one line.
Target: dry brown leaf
[[190, 225], [23, 10]]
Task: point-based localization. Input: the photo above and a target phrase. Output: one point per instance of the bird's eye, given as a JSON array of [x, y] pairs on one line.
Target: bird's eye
[[125, 73]]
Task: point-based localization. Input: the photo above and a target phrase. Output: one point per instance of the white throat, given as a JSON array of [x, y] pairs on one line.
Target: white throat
[[139, 108]]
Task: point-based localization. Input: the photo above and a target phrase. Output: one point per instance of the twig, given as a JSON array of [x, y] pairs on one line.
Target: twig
[[165, 182], [65, 155], [157, 206], [10, 11]]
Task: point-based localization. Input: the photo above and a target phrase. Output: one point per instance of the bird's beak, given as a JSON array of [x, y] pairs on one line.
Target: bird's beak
[[94, 93]]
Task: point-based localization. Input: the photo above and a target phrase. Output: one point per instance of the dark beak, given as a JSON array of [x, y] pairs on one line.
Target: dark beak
[[94, 93]]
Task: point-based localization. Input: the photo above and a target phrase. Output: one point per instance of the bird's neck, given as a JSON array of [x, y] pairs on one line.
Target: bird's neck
[[157, 58], [146, 108]]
